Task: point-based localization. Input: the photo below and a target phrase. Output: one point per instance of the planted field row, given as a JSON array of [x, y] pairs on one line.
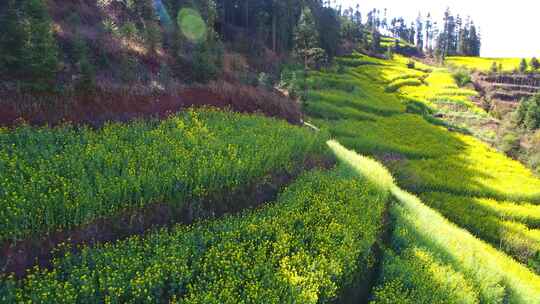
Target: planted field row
[[346, 90], [485, 64], [54, 179], [311, 246], [471, 180], [430, 260], [475, 170], [426, 157], [509, 226]]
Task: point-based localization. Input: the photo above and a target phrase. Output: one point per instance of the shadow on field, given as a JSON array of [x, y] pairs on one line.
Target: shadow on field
[[423, 154]]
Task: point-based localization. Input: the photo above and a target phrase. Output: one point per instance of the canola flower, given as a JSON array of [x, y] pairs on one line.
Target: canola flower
[[57, 178], [431, 260], [310, 245], [425, 157]]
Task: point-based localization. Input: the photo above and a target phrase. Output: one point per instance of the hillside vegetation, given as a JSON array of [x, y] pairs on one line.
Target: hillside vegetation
[[309, 246], [465, 227], [486, 64], [262, 151], [452, 172], [79, 175]]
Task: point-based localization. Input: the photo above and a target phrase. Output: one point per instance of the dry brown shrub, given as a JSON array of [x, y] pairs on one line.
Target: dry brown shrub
[[256, 99]]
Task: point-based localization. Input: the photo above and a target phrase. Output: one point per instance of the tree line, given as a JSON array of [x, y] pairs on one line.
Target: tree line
[[313, 31], [454, 36]]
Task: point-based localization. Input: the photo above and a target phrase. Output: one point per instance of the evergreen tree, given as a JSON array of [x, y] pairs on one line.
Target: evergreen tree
[[385, 19], [474, 43], [523, 65], [532, 117], [449, 34], [358, 16], [375, 41], [429, 32], [412, 34], [328, 28], [393, 27], [463, 48], [28, 47], [535, 64], [434, 37], [419, 33], [87, 71], [371, 20], [12, 37], [306, 37], [528, 113]]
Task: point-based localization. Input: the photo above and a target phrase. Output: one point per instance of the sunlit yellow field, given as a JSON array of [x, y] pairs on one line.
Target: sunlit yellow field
[[484, 64], [492, 196]]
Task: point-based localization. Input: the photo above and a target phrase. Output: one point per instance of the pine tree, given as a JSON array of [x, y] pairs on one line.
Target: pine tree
[[328, 27], [412, 33], [523, 65], [28, 47], [12, 37], [429, 32], [385, 19], [306, 37], [358, 16], [375, 41], [530, 109], [474, 43], [458, 34], [450, 35], [535, 64], [419, 33], [463, 48]]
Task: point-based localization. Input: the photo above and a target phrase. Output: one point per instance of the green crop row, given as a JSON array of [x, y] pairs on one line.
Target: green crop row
[[417, 276], [509, 226], [397, 84], [407, 134], [485, 64], [311, 246], [57, 178], [475, 170], [428, 157], [493, 276], [430, 260]]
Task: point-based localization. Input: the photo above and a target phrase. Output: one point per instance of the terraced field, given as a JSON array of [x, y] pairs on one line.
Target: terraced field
[[483, 192], [309, 246], [484, 64], [415, 211], [314, 243], [428, 259], [78, 174]]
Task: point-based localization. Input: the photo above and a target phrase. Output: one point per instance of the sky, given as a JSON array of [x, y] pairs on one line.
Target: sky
[[508, 28]]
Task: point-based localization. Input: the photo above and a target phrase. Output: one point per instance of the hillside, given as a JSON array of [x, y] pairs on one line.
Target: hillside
[[483, 202], [369, 169]]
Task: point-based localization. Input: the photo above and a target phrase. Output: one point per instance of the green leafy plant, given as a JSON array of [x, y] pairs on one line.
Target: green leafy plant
[[462, 77]]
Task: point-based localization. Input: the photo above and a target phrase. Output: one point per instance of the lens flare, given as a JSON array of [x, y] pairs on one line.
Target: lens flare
[[192, 25]]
